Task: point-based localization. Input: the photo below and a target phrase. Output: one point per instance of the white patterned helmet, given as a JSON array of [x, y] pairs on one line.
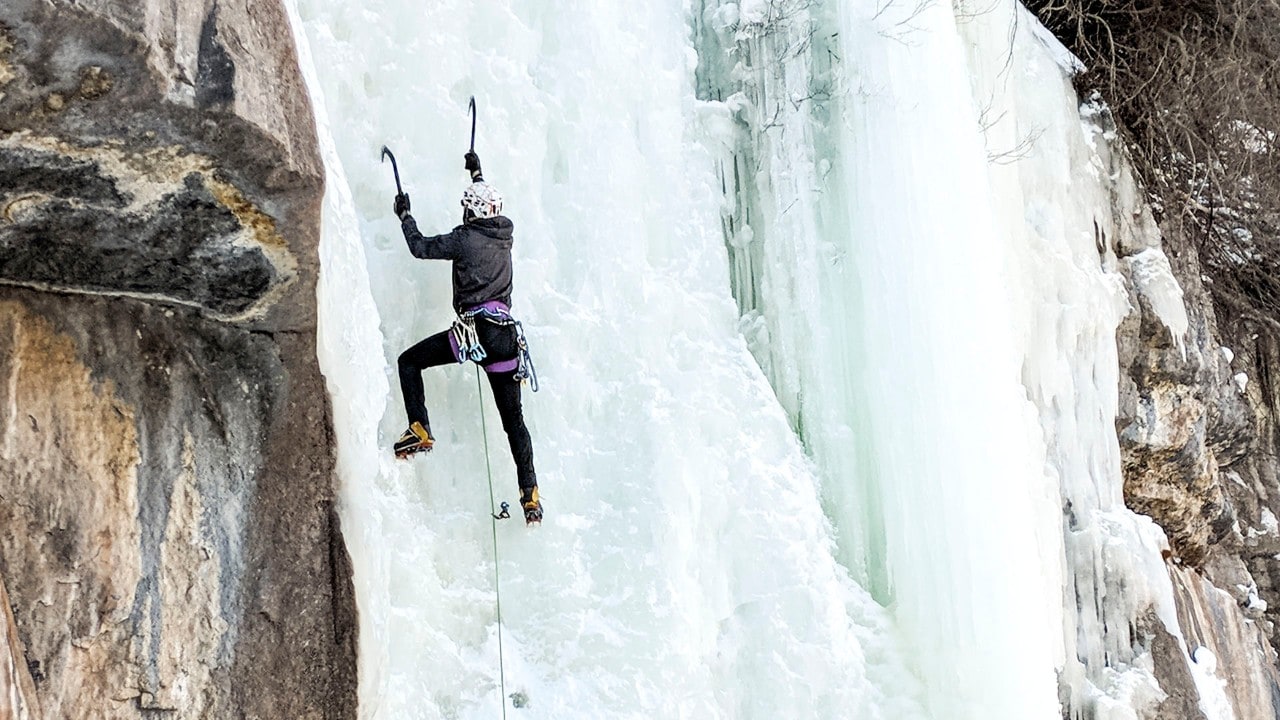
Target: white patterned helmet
[[482, 199]]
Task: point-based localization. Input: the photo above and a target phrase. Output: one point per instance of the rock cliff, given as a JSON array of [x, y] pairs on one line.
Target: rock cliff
[[1197, 436], [166, 462]]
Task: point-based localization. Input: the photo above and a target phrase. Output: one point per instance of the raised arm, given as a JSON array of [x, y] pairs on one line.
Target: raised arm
[[433, 247]]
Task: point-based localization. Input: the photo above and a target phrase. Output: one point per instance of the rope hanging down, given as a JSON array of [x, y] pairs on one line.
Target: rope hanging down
[[493, 523]]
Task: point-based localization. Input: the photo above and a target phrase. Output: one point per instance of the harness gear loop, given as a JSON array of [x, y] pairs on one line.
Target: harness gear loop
[[467, 339]]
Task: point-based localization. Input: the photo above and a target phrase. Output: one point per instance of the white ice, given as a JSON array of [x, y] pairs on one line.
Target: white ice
[[885, 483], [686, 568]]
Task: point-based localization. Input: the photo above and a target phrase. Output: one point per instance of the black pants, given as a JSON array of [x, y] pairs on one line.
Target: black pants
[[499, 343]]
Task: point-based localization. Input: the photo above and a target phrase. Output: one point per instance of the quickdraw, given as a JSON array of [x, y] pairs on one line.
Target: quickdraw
[[525, 370], [467, 339]]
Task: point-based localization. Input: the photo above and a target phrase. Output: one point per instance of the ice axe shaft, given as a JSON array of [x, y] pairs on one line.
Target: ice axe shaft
[[386, 153], [472, 108]]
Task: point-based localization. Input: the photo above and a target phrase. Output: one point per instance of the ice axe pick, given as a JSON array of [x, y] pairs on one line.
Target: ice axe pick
[[386, 153]]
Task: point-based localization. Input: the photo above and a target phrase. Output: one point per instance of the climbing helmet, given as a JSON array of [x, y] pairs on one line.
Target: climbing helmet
[[482, 199]]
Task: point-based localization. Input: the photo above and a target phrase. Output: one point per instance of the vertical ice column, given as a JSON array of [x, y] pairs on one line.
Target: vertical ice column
[[833, 243], [955, 452], [1065, 197], [771, 75]]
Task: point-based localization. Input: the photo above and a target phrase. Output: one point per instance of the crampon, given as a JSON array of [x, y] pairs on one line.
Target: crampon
[[531, 505]]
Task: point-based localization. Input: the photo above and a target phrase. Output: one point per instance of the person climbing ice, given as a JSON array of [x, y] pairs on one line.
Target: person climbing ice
[[484, 332]]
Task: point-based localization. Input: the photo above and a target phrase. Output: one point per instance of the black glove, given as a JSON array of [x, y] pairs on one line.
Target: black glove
[[402, 205], [472, 164]]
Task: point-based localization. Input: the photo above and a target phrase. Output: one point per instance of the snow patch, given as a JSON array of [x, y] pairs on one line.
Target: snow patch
[[1214, 702], [1065, 59], [1252, 600], [1269, 522], [1154, 279]]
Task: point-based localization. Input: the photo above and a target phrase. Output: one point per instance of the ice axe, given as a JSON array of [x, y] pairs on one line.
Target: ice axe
[[386, 153]]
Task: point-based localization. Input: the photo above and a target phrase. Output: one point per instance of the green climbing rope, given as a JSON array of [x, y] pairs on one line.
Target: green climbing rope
[[493, 523]]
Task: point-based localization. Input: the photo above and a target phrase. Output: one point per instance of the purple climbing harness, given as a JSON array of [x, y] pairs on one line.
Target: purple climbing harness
[[465, 341]]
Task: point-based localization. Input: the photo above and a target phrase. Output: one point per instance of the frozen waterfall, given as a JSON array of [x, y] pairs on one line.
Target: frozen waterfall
[[825, 344]]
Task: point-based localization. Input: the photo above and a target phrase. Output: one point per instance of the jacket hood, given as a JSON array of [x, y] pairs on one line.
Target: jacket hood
[[498, 227]]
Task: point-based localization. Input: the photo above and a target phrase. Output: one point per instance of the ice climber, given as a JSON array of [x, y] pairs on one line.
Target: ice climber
[[485, 332]]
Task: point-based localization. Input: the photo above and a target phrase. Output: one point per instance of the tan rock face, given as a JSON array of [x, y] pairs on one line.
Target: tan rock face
[[17, 691], [168, 539], [181, 133], [73, 536], [217, 250], [1211, 619], [166, 466], [1177, 412], [1170, 472]]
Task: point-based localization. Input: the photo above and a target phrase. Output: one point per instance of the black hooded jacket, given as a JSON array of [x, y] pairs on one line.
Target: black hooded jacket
[[481, 255]]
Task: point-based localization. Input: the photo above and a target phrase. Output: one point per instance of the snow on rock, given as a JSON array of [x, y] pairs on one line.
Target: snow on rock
[[1155, 282], [1065, 59], [1269, 522], [1212, 686]]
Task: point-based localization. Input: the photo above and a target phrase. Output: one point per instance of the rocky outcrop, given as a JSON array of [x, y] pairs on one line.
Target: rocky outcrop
[[1182, 417], [166, 462], [1197, 439]]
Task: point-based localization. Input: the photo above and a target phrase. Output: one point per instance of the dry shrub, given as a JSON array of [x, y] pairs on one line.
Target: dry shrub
[[1195, 86]]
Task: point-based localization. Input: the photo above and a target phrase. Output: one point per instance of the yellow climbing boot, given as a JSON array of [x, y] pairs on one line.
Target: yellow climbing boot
[[414, 440]]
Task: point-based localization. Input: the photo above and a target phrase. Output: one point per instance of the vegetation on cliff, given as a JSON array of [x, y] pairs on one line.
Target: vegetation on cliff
[[1195, 87]]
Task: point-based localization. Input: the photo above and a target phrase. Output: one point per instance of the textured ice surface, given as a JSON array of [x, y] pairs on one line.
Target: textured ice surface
[[685, 568], [914, 264]]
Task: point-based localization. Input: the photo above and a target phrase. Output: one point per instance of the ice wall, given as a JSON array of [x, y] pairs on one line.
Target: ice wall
[[826, 334], [969, 519], [686, 568], [917, 218], [1064, 195], [872, 274]]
